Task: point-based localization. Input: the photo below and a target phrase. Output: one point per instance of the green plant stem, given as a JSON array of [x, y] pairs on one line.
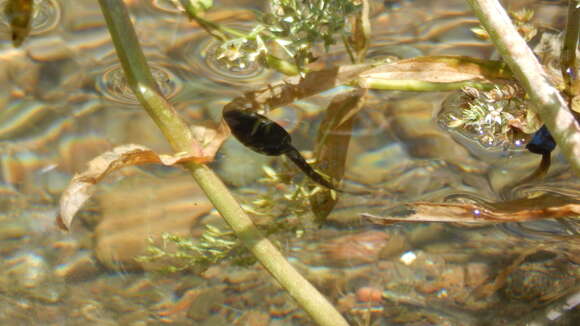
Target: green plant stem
[[568, 55], [549, 104], [418, 85], [179, 136], [282, 66]]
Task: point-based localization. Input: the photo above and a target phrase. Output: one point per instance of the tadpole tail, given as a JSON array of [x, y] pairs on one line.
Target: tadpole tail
[[301, 163]]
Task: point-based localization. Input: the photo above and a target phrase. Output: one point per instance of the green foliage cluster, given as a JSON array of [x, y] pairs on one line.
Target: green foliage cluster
[[295, 26], [183, 253], [298, 25]]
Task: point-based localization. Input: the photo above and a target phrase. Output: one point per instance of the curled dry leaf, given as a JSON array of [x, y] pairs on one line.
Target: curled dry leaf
[[542, 207], [82, 185], [438, 69]]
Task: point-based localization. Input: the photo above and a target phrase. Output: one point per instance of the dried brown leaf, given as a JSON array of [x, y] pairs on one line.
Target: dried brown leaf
[[519, 210], [297, 87], [210, 137], [82, 185], [438, 69]]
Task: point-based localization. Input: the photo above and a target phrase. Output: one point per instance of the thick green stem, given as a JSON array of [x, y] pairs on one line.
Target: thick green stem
[[179, 136], [549, 104]]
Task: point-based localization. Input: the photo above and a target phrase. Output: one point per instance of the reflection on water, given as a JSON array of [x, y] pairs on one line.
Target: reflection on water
[[62, 103], [113, 85], [204, 57]]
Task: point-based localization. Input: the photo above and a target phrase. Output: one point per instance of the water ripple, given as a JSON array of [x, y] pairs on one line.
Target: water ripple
[[202, 58], [113, 85]]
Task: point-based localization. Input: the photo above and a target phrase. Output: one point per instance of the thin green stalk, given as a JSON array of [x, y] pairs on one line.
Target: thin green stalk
[[282, 66], [549, 104], [568, 57], [419, 85], [179, 136]]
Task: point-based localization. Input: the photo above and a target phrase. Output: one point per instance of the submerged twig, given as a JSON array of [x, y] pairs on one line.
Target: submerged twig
[[178, 134], [549, 104]]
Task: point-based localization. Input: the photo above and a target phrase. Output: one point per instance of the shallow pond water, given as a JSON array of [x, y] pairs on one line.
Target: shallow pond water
[[64, 100]]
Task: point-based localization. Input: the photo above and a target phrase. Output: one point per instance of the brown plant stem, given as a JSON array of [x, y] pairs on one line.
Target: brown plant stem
[[549, 104], [179, 136], [568, 59]]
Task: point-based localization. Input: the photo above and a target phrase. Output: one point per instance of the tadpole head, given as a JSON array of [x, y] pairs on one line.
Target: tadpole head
[[542, 142], [258, 132]]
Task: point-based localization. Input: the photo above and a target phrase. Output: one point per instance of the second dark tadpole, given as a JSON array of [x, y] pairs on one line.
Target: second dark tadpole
[[265, 136], [542, 142]]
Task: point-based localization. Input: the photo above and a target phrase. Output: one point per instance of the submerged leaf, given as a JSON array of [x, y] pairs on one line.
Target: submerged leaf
[[19, 13], [437, 69], [332, 146], [82, 186], [541, 207]]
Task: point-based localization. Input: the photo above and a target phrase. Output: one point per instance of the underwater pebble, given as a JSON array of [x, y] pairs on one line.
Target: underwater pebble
[[355, 249], [135, 318], [28, 269], [512, 169], [208, 300], [254, 318], [49, 49], [29, 274], [452, 277], [424, 234], [378, 165], [12, 230], [413, 124], [369, 294], [81, 267], [477, 274], [241, 276], [142, 210], [215, 320], [541, 281], [395, 245], [280, 305]]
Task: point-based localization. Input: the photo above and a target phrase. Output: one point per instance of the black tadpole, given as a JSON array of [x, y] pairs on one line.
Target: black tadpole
[[265, 136], [258, 133], [542, 142]]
